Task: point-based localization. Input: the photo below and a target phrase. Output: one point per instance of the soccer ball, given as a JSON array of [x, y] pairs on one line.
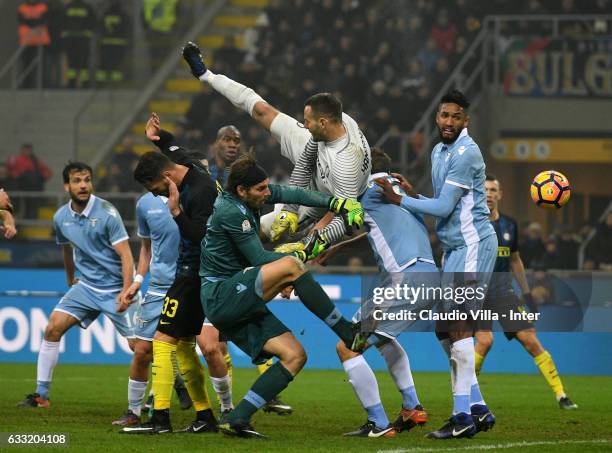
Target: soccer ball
[[550, 189]]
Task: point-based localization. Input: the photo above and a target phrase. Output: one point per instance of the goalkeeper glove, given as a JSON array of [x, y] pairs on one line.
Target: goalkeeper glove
[[307, 249], [284, 219], [350, 210]]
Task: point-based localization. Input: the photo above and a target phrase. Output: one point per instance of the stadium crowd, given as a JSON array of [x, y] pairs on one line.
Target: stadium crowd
[[384, 59]]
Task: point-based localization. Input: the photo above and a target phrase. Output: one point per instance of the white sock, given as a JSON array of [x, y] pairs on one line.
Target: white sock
[[462, 360], [241, 96], [47, 359], [136, 391], [399, 367], [223, 389], [363, 381], [398, 364]]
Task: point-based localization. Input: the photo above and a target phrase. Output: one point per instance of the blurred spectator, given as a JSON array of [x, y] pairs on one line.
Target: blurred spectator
[[444, 32], [125, 158], [7, 182], [33, 32], [599, 248], [532, 247], [542, 288], [78, 26], [29, 172], [568, 246], [115, 32], [428, 56], [550, 259], [54, 71], [355, 264], [228, 57]]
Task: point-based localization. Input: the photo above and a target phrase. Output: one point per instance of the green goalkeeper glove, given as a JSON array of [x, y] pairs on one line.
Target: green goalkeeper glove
[[350, 210], [307, 249], [284, 220]]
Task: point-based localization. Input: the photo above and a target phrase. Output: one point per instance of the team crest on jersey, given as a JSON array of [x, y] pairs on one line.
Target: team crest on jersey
[[461, 150], [506, 236], [246, 225], [93, 221], [173, 148]]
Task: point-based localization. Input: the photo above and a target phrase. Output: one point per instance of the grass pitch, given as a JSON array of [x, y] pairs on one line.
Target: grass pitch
[[85, 399]]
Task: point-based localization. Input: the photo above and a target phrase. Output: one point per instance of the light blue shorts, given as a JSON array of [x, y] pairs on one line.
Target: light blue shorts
[[420, 274], [471, 265], [85, 304], [147, 314]]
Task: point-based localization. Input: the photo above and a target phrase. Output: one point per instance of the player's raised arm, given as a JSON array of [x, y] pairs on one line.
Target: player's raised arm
[[239, 95]]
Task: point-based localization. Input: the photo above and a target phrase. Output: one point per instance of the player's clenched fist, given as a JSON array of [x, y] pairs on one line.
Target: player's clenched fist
[[350, 210], [284, 220]]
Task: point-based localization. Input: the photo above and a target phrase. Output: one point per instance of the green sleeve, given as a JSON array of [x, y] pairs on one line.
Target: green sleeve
[[246, 238], [297, 195]]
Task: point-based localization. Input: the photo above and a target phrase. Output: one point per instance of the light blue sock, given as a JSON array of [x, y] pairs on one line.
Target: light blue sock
[[377, 415], [476, 396], [461, 403], [410, 398], [42, 388]]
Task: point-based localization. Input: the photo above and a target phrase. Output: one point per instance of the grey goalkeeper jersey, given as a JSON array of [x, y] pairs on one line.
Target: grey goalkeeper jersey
[[340, 168]]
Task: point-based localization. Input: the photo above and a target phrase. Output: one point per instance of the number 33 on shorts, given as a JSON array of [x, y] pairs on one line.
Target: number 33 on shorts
[[170, 307]]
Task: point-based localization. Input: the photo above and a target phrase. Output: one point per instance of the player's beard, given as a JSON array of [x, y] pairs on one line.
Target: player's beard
[[446, 140], [79, 202]]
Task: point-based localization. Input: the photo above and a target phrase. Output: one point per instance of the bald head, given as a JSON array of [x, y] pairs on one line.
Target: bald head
[[228, 144]]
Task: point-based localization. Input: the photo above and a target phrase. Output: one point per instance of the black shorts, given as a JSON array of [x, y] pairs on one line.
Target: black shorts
[[182, 314], [502, 306]]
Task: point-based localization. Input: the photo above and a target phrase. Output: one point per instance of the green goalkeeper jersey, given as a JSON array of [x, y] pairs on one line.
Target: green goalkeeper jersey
[[232, 240]]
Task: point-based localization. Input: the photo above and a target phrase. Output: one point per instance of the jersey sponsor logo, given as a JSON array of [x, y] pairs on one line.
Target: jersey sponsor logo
[[246, 225], [503, 251], [240, 288]]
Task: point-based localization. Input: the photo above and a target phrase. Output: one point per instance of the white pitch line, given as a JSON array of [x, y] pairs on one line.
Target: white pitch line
[[498, 446]]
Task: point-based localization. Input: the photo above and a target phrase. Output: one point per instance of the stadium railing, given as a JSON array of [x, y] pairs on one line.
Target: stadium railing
[[44, 204]]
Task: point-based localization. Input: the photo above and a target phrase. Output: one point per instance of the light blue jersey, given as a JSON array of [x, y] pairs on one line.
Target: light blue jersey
[[400, 242], [92, 234], [461, 164], [398, 237], [156, 223]]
